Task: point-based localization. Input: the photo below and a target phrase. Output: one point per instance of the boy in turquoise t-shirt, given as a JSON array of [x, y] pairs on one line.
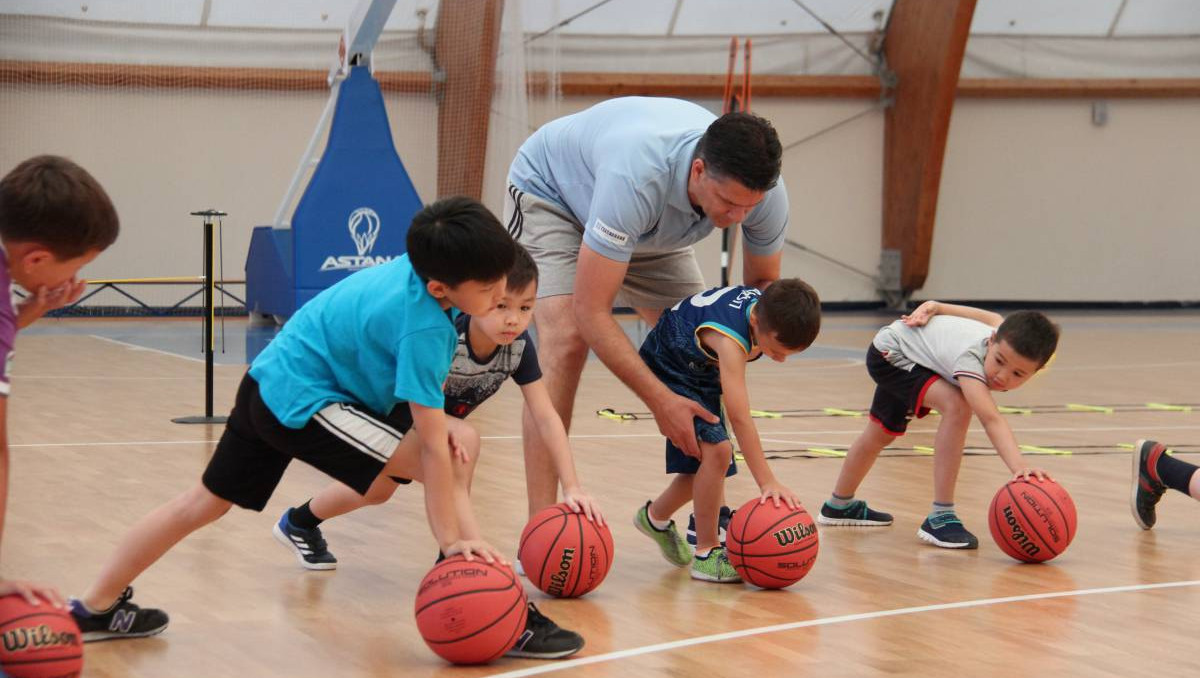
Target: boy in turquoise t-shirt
[[322, 392]]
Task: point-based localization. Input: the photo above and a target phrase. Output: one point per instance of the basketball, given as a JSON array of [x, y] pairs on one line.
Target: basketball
[[1032, 520], [38, 641], [565, 554], [771, 547], [470, 612]]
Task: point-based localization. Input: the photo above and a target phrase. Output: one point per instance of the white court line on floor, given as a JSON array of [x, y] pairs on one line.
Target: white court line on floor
[[826, 621], [135, 347], [1145, 429]]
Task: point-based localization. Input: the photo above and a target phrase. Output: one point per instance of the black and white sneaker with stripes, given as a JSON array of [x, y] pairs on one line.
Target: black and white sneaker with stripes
[[308, 545]]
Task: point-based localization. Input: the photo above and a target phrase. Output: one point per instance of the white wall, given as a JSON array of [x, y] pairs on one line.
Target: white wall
[[1036, 202]]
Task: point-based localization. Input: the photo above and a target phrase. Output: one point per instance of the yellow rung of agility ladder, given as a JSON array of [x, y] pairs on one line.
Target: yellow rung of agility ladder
[[1168, 407], [841, 413], [1014, 410], [764, 414], [923, 449], [738, 456], [1043, 450], [608, 413], [827, 452], [1125, 446], [1077, 407]]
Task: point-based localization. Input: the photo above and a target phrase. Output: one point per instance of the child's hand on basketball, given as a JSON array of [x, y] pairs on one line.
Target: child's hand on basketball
[[31, 592], [581, 502], [921, 315], [1038, 473], [475, 548], [775, 491]]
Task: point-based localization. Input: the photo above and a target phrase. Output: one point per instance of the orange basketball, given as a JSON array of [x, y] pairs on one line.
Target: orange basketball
[[771, 547], [470, 612], [38, 641], [565, 554], [1032, 520]]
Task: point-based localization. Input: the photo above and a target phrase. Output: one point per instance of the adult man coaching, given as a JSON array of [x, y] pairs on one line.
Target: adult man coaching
[[609, 201]]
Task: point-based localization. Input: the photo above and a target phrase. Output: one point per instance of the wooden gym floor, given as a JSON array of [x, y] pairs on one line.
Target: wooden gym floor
[[94, 449]]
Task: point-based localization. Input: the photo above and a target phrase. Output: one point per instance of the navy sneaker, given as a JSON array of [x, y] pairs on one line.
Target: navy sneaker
[[122, 620], [543, 639], [722, 526], [1146, 491], [308, 545], [947, 531], [856, 513]]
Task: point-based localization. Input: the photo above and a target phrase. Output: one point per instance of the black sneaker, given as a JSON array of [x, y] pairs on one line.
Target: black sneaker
[[857, 513], [308, 545], [122, 620], [947, 531], [722, 526], [1146, 491], [543, 639]]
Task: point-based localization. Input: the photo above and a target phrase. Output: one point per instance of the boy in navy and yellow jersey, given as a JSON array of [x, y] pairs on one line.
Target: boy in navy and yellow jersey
[[699, 349]]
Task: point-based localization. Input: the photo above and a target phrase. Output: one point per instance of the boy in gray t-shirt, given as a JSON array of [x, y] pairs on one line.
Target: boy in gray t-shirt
[[950, 358]]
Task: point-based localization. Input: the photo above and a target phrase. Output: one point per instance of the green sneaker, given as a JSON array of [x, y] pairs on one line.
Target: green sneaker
[[673, 547], [714, 567]]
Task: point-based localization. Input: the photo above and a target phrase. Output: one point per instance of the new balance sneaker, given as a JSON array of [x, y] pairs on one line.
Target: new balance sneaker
[[947, 531], [308, 545], [857, 513], [714, 567], [543, 639], [722, 525], [1146, 491], [122, 620], [673, 547]]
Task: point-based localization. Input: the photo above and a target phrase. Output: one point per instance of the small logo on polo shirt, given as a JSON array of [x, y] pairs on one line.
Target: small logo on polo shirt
[[609, 235]]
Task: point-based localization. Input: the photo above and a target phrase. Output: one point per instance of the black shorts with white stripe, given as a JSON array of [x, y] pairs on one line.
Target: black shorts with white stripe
[[346, 442]]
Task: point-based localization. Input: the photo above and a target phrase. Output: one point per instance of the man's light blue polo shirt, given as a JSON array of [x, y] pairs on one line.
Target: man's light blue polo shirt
[[621, 169]]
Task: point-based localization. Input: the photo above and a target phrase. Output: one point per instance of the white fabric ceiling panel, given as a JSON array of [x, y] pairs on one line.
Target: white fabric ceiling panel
[[1044, 17], [617, 17], [171, 12], [766, 17], [310, 14], [1160, 17]]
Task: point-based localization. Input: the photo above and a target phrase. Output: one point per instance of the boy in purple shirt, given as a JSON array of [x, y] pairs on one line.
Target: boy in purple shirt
[[54, 219]]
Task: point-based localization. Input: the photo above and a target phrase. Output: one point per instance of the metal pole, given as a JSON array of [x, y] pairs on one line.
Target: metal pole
[[209, 313]]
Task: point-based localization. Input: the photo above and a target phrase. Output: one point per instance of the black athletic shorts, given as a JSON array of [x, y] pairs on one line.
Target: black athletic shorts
[[899, 394], [346, 442]]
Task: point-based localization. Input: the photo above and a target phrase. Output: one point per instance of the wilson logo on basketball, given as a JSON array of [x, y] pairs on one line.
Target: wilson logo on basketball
[[30, 638], [794, 533], [1019, 538], [1037, 508], [802, 566], [558, 580]]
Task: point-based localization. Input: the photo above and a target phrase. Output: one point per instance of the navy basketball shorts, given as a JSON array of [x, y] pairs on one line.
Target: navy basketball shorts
[[899, 394], [346, 442], [697, 382]]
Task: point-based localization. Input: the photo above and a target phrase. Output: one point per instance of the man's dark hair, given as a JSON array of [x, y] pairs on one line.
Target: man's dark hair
[[1031, 334], [458, 239], [743, 147], [51, 201], [791, 310], [523, 271]]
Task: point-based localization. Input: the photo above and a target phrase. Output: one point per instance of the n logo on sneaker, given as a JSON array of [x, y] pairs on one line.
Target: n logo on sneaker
[[122, 621]]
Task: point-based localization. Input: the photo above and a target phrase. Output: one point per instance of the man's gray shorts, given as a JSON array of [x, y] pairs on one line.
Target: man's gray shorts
[[553, 237]]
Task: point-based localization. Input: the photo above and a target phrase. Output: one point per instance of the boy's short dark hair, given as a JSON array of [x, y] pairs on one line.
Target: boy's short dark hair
[[458, 239], [1031, 334], [523, 271], [743, 147], [791, 310], [51, 201]]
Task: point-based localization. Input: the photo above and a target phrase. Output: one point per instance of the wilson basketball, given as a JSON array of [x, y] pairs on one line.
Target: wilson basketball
[[1032, 520], [470, 612], [565, 554], [771, 547], [38, 641]]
